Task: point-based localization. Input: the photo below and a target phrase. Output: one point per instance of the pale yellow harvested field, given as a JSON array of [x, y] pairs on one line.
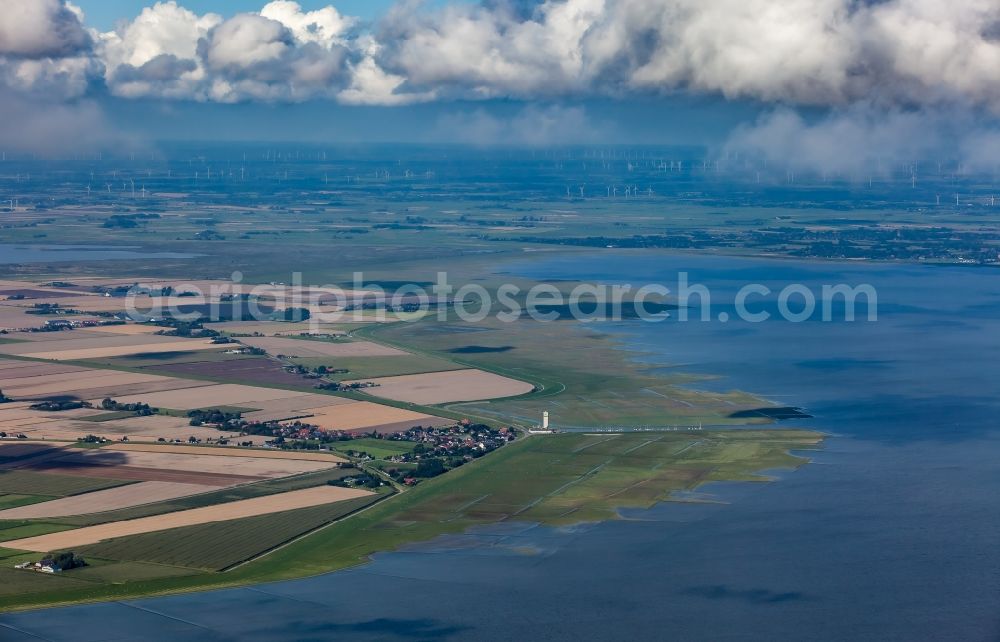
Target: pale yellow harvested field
[[14, 379], [277, 415], [62, 335], [79, 381], [15, 367], [248, 466], [105, 500], [24, 422], [271, 328], [334, 314], [13, 364], [130, 329], [306, 348], [70, 378], [224, 451], [135, 428], [78, 340], [13, 318], [36, 368], [121, 351], [130, 389], [219, 513], [84, 303], [225, 394], [16, 410], [444, 387], [278, 409], [363, 414], [75, 413]]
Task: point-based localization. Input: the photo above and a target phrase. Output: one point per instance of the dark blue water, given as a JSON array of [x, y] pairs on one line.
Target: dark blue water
[[891, 534]]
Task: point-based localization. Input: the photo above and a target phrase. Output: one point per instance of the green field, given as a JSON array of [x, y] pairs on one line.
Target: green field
[[13, 501], [377, 448], [19, 584], [19, 482], [220, 545], [16, 529], [553, 479], [114, 572], [108, 416]]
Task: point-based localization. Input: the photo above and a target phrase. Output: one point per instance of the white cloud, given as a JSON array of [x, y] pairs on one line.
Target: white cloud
[[488, 51], [156, 54], [280, 54], [325, 27], [41, 29], [370, 84], [930, 50], [797, 50], [892, 53], [864, 138]]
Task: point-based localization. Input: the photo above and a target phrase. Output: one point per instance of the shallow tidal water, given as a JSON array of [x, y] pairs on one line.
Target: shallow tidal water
[[890, 534]]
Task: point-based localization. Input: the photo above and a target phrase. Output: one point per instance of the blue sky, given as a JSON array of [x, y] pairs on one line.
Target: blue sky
[[104, 14]]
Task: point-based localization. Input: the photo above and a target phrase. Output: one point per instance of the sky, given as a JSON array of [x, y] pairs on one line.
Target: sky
[[105, 14], [825, 83]]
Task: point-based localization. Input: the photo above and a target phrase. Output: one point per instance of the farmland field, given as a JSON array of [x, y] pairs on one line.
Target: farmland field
[[218, 451], [211, 396], [364, 415], [367, 367], [197, 461], [15, 583], [378, 448], [104, 500], [220, 545], [246, 491], [16, 501], [256, 506], [552, 479], [258, 370], [321, 349], [445, 387], [11, 529], [115, 572], [33, 483]]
